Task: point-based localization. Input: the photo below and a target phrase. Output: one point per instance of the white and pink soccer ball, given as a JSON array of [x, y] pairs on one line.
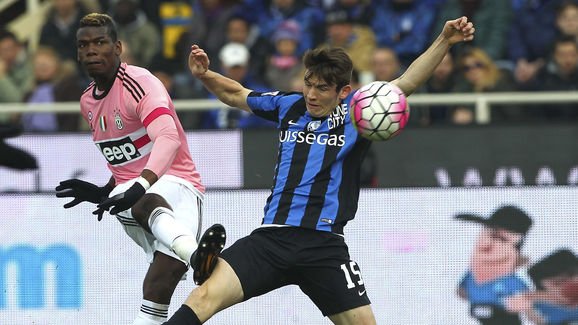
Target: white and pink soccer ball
[[379, 110]]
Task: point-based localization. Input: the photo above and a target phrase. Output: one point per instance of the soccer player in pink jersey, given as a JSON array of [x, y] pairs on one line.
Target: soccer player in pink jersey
[[155, 190]]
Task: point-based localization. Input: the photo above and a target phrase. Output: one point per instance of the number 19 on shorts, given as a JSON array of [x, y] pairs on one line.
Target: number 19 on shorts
[[352, 274]]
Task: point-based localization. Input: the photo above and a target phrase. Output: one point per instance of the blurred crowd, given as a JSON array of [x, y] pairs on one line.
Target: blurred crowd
[[520, 45]]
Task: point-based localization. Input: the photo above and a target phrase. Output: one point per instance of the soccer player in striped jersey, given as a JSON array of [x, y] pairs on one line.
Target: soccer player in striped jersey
[[155, 190], [315, 192]]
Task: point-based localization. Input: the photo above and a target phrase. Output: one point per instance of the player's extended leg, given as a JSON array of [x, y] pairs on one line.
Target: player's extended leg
[[154, 214], [357, 316], [223, 289], [159, 284]]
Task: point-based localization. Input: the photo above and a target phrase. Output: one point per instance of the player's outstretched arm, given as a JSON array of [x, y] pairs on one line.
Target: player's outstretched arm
[[227, 90], [454, 31]]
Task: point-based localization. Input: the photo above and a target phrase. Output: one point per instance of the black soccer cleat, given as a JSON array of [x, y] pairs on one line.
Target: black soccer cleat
[[205, 258]]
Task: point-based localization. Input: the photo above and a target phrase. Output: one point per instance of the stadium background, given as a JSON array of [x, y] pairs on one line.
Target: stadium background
[[61, 266]]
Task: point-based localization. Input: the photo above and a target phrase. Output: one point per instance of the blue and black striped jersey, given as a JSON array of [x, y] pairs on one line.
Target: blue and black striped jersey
[[316, 182]]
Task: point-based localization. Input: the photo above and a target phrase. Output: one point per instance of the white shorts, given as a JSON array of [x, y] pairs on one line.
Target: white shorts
[[186, 202]]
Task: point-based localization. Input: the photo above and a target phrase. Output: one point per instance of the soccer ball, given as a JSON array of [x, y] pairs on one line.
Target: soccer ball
[[379, 110]]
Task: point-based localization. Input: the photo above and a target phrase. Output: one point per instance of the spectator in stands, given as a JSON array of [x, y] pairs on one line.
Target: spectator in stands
[[531, 32], [285, 63], [481, 74], [405, 26], [308, 17], [235, 59], [47, 68], [360, 10], [492, 22], [59, 30], [209, 24], [385, 64], [241, 30], [16, 76], [179, 83], [358, 41], [133, 26], [443, 80], [560, 73], [567, 19]]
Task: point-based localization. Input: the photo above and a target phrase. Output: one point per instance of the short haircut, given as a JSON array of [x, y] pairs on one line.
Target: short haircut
[[100, 20], [6, 34], [564, 39], [330, 64]]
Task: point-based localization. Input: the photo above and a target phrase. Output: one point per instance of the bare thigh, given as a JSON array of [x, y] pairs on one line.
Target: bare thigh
[[223, 289], [357, 316]]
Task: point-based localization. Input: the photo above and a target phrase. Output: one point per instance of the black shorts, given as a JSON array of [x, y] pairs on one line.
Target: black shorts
[[318, 262]]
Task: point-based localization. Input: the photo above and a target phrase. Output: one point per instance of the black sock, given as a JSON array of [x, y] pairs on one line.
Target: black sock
[[184, 316]]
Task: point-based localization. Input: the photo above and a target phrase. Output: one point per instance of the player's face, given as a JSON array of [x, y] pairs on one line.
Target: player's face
[[497, 245], [97, 53], [321, 98], [555, 284]]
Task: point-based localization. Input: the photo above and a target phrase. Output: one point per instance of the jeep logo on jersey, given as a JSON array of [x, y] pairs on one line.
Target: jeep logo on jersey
[[119, 151]]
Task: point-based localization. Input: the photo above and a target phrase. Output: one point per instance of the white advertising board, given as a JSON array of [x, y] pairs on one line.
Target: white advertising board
[[75, 156], [61, 266]]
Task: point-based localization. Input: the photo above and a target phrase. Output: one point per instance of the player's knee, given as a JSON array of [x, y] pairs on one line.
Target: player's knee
[[145, 206], [204, 302]]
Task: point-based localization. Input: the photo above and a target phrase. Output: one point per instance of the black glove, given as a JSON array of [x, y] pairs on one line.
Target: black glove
[[122, 201], [82, 191]]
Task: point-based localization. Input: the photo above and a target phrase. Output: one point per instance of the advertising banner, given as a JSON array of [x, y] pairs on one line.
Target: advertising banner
[[62, 157], [449, 157], [61, 266]]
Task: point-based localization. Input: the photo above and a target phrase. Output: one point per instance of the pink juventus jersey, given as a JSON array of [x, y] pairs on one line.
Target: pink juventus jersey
[[119, 117]]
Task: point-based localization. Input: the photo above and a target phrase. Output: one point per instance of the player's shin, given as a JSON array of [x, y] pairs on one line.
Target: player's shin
[[171, 233]]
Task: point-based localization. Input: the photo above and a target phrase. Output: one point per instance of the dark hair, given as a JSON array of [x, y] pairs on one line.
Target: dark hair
[[6, 34], [563, 39], [100, 20], [331, 65]]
